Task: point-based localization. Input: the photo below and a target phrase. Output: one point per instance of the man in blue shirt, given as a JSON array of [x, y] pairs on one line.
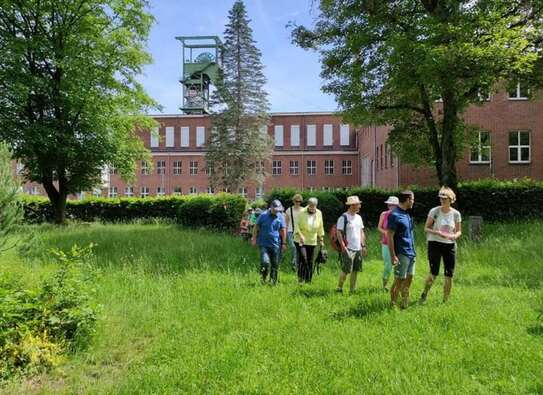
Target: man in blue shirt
[[401, 244], [270, 235]]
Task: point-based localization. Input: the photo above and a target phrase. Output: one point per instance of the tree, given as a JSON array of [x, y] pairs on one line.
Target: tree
[[11, 210], [70, 103], [389, 62], [239, 141]]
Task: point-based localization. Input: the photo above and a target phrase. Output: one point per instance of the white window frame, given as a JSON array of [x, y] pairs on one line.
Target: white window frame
[[328, 134], [144, 192], [519, 147], [279, 135], [294, 135], [344, 134], [193, 167], [112, 192], [177, 191], [155, 138], [210, 190], [243, 192], [177, 168], [129, 191], [170, 131], [329, 167], [347, 167], [294, 168], [145, 171], [259, 193], [193, 190], [480, 149], [311, 135], [200, 136], [160, 191], [185, 136], [160, 169], [277, 167], [518, 94], [313, 167]]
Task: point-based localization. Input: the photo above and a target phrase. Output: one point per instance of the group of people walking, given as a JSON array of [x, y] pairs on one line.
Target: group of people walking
[[302, 229]]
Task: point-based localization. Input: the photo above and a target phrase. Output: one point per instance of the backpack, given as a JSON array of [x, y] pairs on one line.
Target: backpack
[[332, 234]]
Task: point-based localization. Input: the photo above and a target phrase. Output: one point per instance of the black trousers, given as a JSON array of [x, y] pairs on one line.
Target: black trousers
[[305, 262], [445, 251]]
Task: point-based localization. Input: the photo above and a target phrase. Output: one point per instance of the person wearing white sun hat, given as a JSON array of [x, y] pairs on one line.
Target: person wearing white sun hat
[[392, 202]]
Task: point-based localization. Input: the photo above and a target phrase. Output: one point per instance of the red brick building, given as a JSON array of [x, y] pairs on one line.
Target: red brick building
[[317, 151]]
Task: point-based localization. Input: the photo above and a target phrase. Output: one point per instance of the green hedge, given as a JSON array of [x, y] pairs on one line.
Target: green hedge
[[491, 199], [222, 211]]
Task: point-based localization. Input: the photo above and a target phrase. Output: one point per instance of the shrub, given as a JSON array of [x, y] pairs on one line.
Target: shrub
[[222, 211], [38, 325], [493, 200]]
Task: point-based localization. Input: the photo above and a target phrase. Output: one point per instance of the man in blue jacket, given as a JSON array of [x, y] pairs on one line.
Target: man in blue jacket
[[269, 234]]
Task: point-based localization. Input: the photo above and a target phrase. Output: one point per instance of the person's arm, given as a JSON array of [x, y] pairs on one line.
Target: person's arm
[[287, 219], [457, 231], [320, 233], [298, 230], [255, 234], [382, 230], [394, 258], [363, 241], [339, 235]]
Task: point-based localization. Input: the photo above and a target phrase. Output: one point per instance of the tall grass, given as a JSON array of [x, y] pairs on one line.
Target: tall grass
[[183, 312]]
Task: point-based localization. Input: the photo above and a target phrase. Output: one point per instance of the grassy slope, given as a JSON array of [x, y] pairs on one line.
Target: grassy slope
[[183, 312]]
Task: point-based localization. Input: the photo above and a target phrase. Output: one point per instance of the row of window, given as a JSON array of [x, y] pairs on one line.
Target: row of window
[[311, 135], [311, 167], [518, 91], [144, 191], [184, 137], [519, 147], [384, 158]]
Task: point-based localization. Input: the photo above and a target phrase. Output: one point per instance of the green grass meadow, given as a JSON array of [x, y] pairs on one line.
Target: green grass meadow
[[183, 312]]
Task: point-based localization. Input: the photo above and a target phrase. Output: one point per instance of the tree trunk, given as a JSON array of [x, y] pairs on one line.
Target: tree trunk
[[58, 200]]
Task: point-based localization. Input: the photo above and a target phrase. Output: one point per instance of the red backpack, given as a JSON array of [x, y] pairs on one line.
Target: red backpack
[[332, 234]]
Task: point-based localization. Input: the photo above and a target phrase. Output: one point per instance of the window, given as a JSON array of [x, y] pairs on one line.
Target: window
[[243, 191], [200, 136], [294, 168], [386, 155], [211, 190], [278, 135], [381, 160], [259, 192], [344, 135], [518, 91], [311, 167], [311, 135], [226, 190], [185, 137], [112, 170], [112, 193], [295, 135], [177, 191], [129, 191], [161, 167], [347, 167], [480, 151], [177, 167], [160, 191], [328, 135], [311, 189], [260, 167], [144, 168], [329, 167], [376, 158], [144, 192], [154, 137], [519, 147], [193, 190], [169, 136], [326, 189], [276, 167], [210, 169], [391, 157], [193, 168]]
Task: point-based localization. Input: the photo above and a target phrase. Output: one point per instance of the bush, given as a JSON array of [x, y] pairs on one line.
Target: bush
[[38, 325], [493, 200], [222, 211]]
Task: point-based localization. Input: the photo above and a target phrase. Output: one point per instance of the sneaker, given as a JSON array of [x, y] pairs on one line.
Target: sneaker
[[422, 299]]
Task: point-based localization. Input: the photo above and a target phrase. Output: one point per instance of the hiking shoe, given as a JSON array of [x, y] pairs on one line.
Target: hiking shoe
[[422, 299]]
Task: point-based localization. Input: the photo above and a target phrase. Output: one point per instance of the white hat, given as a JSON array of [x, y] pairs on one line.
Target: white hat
[[353, 200], [393, 200]]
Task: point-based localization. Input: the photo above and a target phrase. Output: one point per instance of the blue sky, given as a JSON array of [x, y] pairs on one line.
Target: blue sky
[[293, 74]]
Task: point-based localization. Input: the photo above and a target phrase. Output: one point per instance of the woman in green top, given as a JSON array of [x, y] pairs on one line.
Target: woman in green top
[[308, 232]]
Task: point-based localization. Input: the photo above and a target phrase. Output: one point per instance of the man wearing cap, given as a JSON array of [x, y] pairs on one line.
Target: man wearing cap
[[401, 244], [291, 217], [351, 238], [392, 202], [270, 236]]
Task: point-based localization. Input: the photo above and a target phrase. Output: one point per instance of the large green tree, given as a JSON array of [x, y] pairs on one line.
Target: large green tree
[[239, 141], [388, 62], [70, 103]]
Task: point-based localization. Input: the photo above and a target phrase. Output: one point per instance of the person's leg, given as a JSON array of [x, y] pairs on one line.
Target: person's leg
[[274, 263], [387, 265], [408, 264], [395, 290], [449, 261], [264, 264], [294, 261], [400, 273], [357, 266], [434, 259], [310, 250], [342, 278], [346, 268], [302, 266]]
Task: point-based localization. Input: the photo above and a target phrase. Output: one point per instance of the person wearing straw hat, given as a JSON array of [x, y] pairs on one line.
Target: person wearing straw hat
[[392, 202], [443, 227], [352, 240], [291, 217]]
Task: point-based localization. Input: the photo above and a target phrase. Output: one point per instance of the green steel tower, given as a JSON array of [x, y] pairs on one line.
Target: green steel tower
[[201, 64]]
